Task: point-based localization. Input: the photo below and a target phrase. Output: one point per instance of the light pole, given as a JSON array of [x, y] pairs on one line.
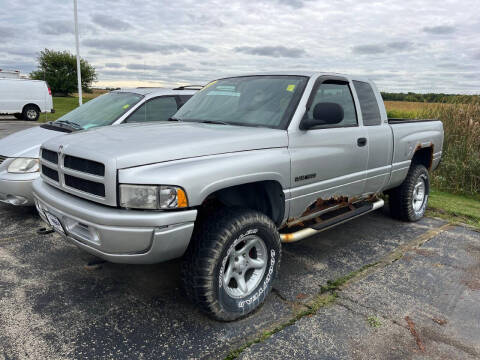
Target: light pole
[[79, 74]]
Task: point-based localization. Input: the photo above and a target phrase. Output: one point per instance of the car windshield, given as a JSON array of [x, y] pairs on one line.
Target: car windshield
[[103, 110], [266, 101]]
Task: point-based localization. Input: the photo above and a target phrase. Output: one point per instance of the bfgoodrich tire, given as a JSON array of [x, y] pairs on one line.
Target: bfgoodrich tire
[[409, 201], [229, 267]]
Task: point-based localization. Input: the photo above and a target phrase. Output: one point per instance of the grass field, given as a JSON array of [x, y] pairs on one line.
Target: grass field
[[459, 171], [455, 208]]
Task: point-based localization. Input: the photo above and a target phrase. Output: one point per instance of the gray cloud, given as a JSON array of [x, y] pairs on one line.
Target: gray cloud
[[162, 68], [369, 49], [23, 52], [272, 51], [6, 32], [373, 49], [110, 23], [141, 47], [400, 45], [113, 65], [56, 27], [439, 30]]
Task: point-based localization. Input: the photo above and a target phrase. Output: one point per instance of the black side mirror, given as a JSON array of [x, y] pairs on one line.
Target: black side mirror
[[324, 113]]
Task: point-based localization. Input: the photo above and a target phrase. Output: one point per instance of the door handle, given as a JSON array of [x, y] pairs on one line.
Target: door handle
[[362, 141]]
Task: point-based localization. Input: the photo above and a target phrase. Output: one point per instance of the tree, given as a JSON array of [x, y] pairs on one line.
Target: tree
[[59, 70]]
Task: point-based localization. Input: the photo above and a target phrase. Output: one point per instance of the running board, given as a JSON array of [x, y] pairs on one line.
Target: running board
[[315, 229]]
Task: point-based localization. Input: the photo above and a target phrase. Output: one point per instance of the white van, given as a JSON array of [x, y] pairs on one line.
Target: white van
[[25, 99]]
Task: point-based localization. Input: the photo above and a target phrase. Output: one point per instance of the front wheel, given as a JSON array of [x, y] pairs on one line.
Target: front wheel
[[409, 201], [231, 263]]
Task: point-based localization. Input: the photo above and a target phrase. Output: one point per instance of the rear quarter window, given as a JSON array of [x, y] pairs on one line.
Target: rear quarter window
[[368, 103]]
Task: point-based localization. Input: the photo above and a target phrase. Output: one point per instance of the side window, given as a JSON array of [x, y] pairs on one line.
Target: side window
[[339, 93], [157, 109], [184, 99], [368, 103]]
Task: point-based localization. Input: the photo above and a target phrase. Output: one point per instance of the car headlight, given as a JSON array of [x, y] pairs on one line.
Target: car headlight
[[152, 197], [23, 165]]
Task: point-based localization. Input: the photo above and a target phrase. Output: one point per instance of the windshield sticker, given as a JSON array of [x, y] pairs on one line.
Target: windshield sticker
[[223, 93], [291, 87], [126, 106]]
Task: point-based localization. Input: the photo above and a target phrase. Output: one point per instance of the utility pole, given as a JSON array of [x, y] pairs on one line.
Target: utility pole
[[79, 74]]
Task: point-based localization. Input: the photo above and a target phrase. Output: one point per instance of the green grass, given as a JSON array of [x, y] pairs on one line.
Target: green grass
[[62, 105], [374, 321], [455, 208]]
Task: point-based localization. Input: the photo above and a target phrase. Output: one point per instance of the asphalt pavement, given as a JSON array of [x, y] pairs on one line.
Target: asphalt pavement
[[417, 298]]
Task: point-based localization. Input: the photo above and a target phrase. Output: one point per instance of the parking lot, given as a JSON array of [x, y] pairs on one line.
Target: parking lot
[[417, 296]]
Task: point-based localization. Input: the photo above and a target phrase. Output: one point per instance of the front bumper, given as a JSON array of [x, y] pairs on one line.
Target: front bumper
[[16, 192], [117, 235]]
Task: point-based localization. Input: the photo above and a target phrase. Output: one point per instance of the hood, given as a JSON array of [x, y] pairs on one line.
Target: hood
[[26, 143], [139, 144]]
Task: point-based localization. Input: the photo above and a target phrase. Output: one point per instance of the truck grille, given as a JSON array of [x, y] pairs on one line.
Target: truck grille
[[50, 156], [84, 185], [79, 176], [84, 165], [52, 174], [2, 159]]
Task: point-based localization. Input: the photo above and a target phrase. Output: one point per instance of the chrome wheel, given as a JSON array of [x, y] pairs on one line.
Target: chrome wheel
[[419, 194], [245, 266], [31, 114]]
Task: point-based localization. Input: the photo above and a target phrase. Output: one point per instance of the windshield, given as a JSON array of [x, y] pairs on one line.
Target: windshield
[[103, 110], [267, 101]]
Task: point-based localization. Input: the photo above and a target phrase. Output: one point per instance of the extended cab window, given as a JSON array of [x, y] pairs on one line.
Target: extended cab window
[[368, 103], [338, 93], [157, 109]]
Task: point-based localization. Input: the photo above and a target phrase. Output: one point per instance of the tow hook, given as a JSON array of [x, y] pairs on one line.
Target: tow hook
[[45, 230]]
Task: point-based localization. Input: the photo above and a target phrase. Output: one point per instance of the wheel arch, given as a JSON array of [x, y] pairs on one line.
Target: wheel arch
[[423, 156], [31, 104], [265, 196]]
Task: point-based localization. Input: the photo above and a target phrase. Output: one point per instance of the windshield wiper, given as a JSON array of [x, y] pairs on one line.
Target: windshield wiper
[[71, 124], [213, 122], [173, 119]]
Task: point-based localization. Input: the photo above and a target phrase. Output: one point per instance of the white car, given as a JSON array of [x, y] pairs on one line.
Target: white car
[[25, 99], [19, 152]]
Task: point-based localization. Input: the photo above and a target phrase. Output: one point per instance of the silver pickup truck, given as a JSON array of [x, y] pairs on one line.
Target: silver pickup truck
[[246, 164]]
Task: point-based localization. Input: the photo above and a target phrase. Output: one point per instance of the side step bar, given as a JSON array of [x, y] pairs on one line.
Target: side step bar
[[315, 229]]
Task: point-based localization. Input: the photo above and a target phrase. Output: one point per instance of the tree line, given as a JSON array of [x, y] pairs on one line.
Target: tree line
[[431, 98]]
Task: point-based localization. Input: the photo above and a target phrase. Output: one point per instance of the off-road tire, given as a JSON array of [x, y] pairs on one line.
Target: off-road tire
[[204, 261], [401, 198], [27, 112]]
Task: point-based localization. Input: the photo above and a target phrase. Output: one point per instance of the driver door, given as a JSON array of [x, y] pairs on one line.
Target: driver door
[[329, 162]]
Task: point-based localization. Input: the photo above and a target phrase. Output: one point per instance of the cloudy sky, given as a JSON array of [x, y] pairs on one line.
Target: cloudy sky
[[427, 46]]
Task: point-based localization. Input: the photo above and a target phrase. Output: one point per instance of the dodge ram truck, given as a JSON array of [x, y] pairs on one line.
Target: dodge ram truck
[[248, 163]]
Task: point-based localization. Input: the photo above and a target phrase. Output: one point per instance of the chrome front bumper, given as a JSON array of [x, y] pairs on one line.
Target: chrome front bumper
[[117, 235]]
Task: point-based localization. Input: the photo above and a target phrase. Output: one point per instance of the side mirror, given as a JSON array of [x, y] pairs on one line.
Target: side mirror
[[324, 113]]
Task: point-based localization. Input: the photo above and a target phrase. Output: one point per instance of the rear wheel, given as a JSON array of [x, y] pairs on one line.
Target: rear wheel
[[231, 263], [409, 201], [30, 113]]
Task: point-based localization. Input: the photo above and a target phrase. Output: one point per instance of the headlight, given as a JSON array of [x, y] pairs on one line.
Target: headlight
[[152, 197], [23, 165]]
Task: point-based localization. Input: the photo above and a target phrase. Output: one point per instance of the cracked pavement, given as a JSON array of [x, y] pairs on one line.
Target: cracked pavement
[[52, 307]]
